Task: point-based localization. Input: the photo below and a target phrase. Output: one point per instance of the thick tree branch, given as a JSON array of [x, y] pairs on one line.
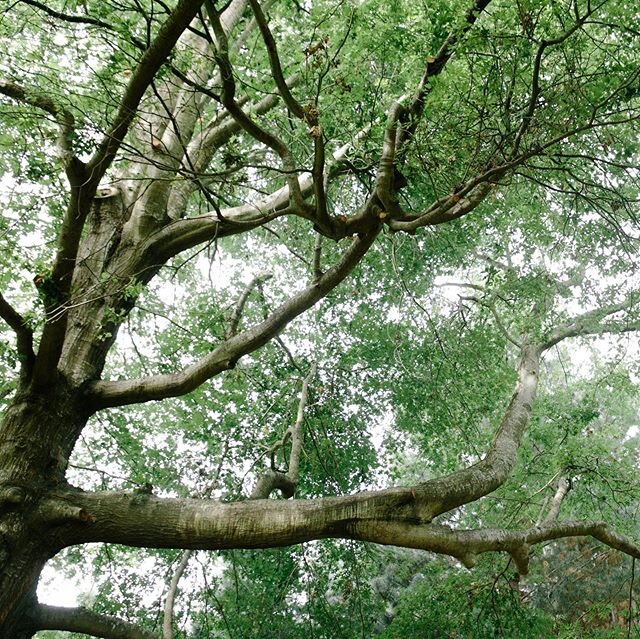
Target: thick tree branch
[[225, 356], [445, 210], [153, 58], [382, 517], [86, 622], [149, 521], [187, 233], [85, 179], [466, 545]]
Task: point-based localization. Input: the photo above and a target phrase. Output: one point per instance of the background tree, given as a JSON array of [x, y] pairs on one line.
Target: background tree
[[298, 147]]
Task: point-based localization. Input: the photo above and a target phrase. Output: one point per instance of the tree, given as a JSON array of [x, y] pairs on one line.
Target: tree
[[141, 132]]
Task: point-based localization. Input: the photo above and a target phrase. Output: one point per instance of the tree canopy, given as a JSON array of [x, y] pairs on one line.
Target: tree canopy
[[279, 278]]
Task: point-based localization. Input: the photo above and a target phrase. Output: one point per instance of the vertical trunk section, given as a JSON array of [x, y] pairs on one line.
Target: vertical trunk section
[[37, 435]]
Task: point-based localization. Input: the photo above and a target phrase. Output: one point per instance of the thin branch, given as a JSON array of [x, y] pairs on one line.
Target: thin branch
[[413, 113], [317, 258], [167, 620], [150, 62], [274, 479], [590, 323], [24, 335], [535, 76], [67, 17], [296, 430], [556, 502], [167, 617], [86, 622], [274, 60], [252, 128], [62, 116], [257, 281]]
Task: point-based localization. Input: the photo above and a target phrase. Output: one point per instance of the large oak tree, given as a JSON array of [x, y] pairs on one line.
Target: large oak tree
[[319, 140]]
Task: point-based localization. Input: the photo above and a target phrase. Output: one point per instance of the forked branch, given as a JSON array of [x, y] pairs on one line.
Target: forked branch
[[287, 482]]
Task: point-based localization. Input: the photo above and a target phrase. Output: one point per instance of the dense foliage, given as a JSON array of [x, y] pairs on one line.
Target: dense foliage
[[261, 262]]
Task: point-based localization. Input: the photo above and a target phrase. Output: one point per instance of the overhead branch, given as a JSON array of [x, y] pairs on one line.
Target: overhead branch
[[87, 622], [225, 356], [274, 60], [183, 234], [308, 114], [466, 545], [411, 116], [167, 612], [287, 482], [444, 210], [24, 335], [167, 618], [150, 521], [61, 115], [203, 147], [382, 517], [488, 301], [527, 119], [68, 17], [250, 126], [141, 78], [591, 322]]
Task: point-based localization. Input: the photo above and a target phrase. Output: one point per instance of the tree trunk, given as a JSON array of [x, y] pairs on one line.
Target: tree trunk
[[36, 438]]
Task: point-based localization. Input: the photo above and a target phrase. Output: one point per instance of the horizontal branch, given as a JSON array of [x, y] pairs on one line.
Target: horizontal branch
[[145, 520], [85, 621], [385, 517], [466, 545], [118, 393], [591, 322]]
